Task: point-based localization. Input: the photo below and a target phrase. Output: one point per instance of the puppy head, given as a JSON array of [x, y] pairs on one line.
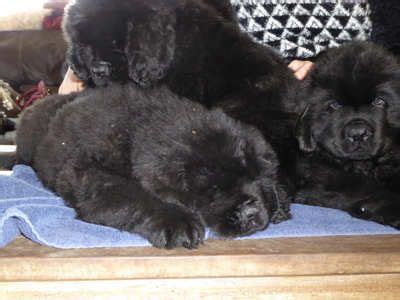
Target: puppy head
[[96, 36], [353, 110], [207, 161], [232, 174]]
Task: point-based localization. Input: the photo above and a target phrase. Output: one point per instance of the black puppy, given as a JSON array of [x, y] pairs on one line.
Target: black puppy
[[350, 134], [196, 48], [145, 41], [151, 163]]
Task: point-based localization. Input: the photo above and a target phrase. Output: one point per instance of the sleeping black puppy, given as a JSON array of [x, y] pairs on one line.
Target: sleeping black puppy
[[350, 134], [197, 49], [149, 162]]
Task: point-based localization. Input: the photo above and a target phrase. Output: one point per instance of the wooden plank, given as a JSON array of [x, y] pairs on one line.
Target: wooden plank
[[381, 286], [23, 260]]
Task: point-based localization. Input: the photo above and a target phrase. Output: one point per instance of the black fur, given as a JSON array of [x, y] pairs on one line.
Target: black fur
[[196, 48], [152, 37], [385, 17], [149, 162], [193, 46], [350, 134]]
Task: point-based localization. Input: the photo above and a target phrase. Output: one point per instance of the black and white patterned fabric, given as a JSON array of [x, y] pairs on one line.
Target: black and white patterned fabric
[[304, 28]]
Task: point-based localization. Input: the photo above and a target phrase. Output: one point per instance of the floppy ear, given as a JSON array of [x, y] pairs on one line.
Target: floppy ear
[[150, 48], [393, 109], [303, 132], [77, 56]]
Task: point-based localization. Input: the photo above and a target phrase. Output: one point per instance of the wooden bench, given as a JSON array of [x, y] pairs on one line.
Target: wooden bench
[[356, 267], [360, 267]]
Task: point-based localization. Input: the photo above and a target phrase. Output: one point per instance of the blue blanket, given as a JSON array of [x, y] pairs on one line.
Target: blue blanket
[[27, 208]]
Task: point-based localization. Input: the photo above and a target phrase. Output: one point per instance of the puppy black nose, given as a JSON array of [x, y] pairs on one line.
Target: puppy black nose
[[251, 215], [358, 131], [101, 69]]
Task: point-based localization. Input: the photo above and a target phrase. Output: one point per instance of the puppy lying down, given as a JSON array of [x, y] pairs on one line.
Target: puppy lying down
[[350, 134], [151, 163]]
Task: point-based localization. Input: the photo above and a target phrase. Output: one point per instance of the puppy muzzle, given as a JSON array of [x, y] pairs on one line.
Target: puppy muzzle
[[358, 139], [358, 131], [250, 216]]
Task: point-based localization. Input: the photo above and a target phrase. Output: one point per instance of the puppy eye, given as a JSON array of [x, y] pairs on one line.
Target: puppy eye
[[335, 105], [379, 102]]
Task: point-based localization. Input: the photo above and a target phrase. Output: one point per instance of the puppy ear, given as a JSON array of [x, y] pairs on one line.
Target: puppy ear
[[257, 156], [393, 109], [150, 49], [303, 132], [76, 57]]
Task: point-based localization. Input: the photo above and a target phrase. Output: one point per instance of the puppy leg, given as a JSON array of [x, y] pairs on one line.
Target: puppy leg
[[79, 58], [280, 204], [324, 198], [383, 208], [374, 205], [34, 124], [104, 198]]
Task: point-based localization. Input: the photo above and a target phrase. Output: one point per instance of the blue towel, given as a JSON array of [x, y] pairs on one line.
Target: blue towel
[[27, 208]]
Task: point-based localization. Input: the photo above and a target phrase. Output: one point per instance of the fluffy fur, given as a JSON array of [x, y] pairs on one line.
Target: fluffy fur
[[349, 134], [144, 41], [193, 46], [385, 17], [196, 48], [151, 163]]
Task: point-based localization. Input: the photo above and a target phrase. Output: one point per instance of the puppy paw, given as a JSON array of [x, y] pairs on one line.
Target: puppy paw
[[386, 213], [281, 205], [176, 229], [280, 215]]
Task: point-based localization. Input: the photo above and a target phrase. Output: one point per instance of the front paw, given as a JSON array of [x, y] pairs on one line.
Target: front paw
[[280, 205], [384, 212], [176, 228]]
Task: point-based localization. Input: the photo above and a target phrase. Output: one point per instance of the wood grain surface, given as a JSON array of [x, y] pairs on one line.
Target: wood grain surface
[[352, 267]]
